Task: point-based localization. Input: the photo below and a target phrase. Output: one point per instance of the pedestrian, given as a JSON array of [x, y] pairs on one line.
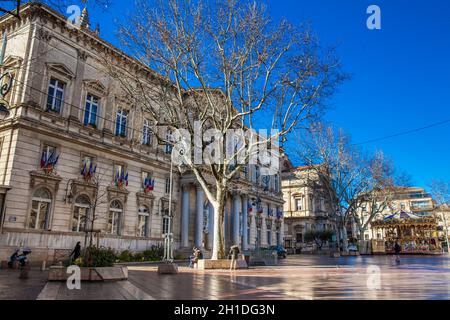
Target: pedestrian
[[197, 256], [234, 252], [76, 252], [192, 257], [397, 250]]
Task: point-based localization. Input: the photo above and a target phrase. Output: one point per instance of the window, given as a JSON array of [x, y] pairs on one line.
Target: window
[[121, 123], [298, 204], [168, 147], [165, 227], [143, 218], [276, 183], [80, 214], [167, 185], [402, 206], [266, 182], [87, 161], [49, 158], [40, 209], [299, 237], [146, 133], [115, 213], [245, 168], [55, 97], [257, 174], [90, 112], [248, 235], [119, 172], [147, 181], [48, 151]]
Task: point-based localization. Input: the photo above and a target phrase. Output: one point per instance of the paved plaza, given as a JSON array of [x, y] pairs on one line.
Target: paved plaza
[[297, 277]]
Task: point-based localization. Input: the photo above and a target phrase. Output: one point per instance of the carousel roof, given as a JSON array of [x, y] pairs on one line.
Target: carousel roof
[[401, 216]]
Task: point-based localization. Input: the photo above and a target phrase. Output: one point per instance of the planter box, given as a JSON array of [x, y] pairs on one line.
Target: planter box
[[59, 273], [220, 264], [167, 268]]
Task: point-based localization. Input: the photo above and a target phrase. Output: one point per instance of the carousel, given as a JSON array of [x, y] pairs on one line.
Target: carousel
[[416, 234]]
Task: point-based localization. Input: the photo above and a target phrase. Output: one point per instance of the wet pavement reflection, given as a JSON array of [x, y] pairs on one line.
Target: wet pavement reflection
[[308, 277]]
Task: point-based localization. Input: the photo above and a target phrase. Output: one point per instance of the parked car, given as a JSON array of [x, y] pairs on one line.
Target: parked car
[[281, 251], [352, 247]]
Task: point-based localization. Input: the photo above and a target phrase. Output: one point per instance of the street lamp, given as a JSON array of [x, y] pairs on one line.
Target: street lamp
[[169, 267]]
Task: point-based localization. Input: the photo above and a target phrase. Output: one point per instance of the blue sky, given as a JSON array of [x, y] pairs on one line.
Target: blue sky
[[400, 74]]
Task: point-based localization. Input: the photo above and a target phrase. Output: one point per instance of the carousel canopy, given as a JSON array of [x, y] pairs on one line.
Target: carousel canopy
[[401, 216]]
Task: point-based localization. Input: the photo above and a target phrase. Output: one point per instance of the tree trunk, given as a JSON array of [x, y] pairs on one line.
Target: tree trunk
[[344, 238], [219, 214]]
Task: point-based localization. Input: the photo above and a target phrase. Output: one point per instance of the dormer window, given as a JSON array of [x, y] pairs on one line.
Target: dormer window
[[55, 98], [91, 109]]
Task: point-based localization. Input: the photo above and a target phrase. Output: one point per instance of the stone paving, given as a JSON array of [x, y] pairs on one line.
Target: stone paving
[[297, 277], [13, 288]]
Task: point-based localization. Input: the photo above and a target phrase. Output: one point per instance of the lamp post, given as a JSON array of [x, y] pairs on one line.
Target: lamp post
[[169, 267]]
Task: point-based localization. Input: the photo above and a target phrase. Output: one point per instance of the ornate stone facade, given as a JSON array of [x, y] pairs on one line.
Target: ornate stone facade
[[67, 113], [305, 207]]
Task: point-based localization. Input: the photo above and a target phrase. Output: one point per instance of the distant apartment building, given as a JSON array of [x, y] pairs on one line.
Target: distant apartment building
[[305, 207]]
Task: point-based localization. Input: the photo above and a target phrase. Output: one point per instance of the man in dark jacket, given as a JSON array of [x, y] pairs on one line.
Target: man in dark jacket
[[76, 252], [397, 250]]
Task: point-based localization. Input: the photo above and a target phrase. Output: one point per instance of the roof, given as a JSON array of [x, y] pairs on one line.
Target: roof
[[402, 215]]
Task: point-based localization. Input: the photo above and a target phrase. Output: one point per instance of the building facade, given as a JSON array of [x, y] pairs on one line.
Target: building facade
[[74, 150], [305, 207]]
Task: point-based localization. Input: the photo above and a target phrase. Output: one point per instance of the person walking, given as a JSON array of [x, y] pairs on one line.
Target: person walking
[[234, 252], [192, 257], [397, 250], [76, 252]]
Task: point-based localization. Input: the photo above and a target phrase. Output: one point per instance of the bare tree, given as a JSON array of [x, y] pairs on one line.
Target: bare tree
[[381, 191], [226, 65], [440, 190], [343, 170]]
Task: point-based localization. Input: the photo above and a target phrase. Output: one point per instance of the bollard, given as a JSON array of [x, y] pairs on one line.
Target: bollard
[[24, 271], [44, 263]]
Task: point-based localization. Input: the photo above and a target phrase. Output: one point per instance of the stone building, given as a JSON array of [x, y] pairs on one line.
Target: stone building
[[68, 122], [305, 207]]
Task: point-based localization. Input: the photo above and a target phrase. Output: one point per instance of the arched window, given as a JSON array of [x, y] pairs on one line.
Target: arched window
[[80, 213], [115, 213], [40, 209], [143, 222]]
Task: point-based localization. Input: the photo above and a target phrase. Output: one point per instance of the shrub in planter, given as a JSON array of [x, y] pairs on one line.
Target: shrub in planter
[[138, 257], [125, 256], [155, 253], [99, 257]]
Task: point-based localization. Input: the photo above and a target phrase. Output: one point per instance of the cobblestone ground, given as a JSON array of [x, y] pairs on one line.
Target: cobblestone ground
[[297, 277]]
